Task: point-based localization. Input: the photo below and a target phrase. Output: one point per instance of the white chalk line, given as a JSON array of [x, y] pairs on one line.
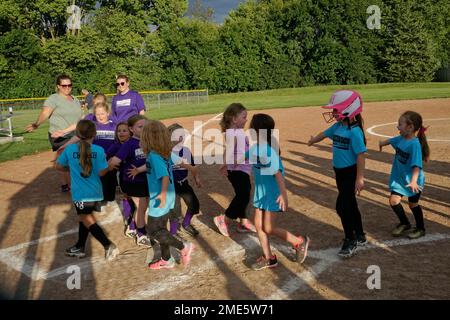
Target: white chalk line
[[32, 270], [372, 132], [328, 257]]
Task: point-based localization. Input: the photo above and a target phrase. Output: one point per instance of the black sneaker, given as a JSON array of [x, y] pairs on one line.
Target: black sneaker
[[75, 252], [190, 230], [361, 240], [348, 248]]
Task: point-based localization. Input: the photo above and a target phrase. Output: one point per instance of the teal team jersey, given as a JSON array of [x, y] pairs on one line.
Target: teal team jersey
[[347, 144], [408, 154], [157, 169], [84, 188], [265, 162]]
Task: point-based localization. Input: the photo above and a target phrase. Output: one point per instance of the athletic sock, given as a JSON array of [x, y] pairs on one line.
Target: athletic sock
[[98, 234], [127, 213], [418, 215], [173, 227], [132, 224], [83, 233], [187, 218], [398, 209], [141, 231]]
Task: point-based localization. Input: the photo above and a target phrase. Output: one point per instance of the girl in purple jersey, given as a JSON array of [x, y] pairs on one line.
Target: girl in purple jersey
[[128, 157], [98, 98], [183, 189], [105, 138], [121, 135]]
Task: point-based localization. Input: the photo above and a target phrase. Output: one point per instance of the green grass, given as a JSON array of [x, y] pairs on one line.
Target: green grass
[[281, 98]]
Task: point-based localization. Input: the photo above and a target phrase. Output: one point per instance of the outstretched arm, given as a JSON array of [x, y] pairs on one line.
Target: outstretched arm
[[60, 133], [194, 171], [114, 163], [46, 112], [383, 143], [61, 168], [134, 171], [316, 139]]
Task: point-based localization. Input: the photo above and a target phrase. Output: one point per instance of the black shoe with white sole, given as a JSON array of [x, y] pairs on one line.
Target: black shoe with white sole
[[348, 248]]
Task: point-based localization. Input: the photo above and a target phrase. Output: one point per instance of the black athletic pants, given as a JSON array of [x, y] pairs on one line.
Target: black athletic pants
[[346, 205], [157, 229], [242, 188]]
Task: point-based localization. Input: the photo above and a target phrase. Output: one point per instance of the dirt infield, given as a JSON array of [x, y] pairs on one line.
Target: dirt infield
[[37, 223]]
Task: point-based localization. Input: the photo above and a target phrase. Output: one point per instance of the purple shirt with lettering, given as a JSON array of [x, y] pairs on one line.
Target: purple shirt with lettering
[[126, 105], [105, 134], [179, 173], [132, 155]]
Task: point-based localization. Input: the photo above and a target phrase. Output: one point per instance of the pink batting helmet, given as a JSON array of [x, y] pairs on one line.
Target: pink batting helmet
[[347, 103]]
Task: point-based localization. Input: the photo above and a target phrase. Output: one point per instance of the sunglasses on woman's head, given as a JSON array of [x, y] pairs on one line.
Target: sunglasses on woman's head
[[66, 85], [120, 84]]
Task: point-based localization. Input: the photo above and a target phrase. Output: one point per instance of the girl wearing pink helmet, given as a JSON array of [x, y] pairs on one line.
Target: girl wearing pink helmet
[[349, 146]]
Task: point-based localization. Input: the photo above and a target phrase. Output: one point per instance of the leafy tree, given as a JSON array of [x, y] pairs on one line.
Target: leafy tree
[[198, 11], [167, 11], [190, 54], [410, 50], [47, 19], [20, 49]]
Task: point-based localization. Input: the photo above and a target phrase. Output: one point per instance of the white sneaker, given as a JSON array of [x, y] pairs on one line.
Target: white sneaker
[[112, 252], [130, 233], [144, 240]]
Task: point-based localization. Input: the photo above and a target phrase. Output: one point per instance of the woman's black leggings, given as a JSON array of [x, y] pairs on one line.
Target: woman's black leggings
[[346, 205]]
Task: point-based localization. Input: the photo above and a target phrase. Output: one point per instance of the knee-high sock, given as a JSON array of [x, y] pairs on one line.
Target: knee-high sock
[[418, 215], [398, 209], [187, 218], [83, 233], [98, 234]]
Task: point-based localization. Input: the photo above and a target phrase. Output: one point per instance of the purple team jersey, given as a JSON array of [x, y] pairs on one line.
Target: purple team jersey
[[90, 117], [105, 134], [126, 105], [131, 154], [113, 149], [179, 173]]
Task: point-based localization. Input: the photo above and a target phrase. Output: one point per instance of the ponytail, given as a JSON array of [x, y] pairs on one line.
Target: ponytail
[[85, 130], [85, 158], [415, 119], [424, 143], [359, 119]]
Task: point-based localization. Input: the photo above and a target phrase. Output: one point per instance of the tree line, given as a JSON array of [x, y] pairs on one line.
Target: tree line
[[263, 44]]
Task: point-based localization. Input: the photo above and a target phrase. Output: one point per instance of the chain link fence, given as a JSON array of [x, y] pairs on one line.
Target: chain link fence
[[22, 111]]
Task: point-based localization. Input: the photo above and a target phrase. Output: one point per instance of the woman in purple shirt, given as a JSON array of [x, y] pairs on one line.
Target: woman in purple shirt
[[126, 103]]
